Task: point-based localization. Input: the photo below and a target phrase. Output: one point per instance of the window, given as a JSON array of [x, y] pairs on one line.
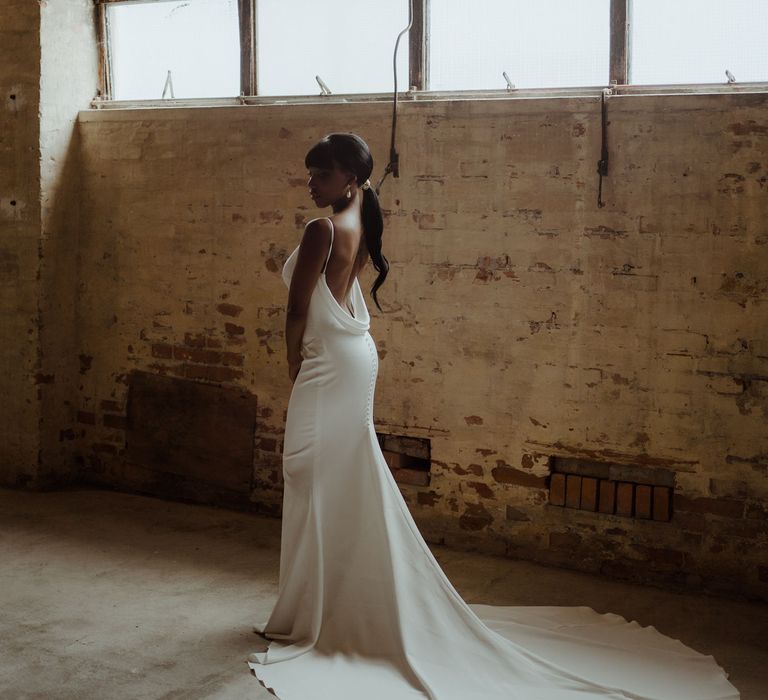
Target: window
[[695, 41], [196, 42], [549, 43], [154, 49], [349, 45]]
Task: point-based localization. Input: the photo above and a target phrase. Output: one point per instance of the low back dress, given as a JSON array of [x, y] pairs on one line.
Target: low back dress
[[364, 610]]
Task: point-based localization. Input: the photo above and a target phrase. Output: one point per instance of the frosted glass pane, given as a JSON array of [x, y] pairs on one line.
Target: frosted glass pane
[[695, 41], [348, 43], [549, 43], [197, 40]]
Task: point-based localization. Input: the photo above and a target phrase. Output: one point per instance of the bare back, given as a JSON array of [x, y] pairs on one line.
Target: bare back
[[348, 256]]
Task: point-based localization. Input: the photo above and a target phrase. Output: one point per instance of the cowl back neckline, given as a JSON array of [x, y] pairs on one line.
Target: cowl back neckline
[[357, 324], [361, 318]]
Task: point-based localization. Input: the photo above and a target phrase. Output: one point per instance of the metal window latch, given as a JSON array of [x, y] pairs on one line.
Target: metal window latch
[[730, 76], [510, 85], [323, 87], [168, 85]]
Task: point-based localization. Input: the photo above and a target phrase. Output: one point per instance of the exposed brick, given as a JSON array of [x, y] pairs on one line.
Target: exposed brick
[[741, 527], [557, 489], [756, 510], [413, 446], [584, 467], [475, 517], [662, 556], [268, 444], [427, 498], [85, 362], [729, 488], [212, 374], [617, 568], [482, 489], [194, 340], [588, 493], [607, 496], [395, 460], [104, 447], [412, 477], [564, 540], [692, 522], [163, 370], [643, 494], [233, 329], [232, 359], [624, 498], [475, 469], [509, 475], [67, 434], [516, 514], [692, 539], [162, 350], [714, 506], [86, 417], [113, 406], [229, 309], [572, 490], [115, 421], [209, 357], [661, 502]]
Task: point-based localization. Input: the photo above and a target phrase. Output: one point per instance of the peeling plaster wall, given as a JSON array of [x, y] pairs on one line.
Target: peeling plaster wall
[[68, 82], [520, 320], [49, 72]]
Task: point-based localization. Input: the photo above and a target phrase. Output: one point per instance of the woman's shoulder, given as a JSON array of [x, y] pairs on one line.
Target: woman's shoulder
[[319, 229], [319, 222]]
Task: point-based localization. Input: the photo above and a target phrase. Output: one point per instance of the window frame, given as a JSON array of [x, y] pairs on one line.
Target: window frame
[[417, 86]]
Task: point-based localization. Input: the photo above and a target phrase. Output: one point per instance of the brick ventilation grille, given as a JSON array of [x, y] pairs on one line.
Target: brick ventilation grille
[[602, 494], [408, 458]]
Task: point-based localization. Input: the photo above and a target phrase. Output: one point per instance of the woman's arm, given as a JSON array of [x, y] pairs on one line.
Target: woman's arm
[[313, 250]]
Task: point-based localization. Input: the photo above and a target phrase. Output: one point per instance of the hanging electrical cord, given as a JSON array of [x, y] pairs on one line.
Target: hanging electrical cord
[[602, 164], [393, 165]]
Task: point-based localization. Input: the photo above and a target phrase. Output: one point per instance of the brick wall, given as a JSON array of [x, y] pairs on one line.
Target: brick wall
[[522, 324], [20, 376]]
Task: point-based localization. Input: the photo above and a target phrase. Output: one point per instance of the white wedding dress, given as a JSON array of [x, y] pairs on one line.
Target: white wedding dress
[[364, 611]]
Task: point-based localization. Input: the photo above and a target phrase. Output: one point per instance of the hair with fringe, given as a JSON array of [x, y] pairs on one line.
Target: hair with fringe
[[347, 151]]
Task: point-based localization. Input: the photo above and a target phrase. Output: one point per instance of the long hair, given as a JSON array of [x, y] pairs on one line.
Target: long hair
[[348, 151]]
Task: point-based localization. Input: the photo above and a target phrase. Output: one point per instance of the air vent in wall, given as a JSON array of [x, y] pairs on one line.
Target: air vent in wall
[[408, 458], [616, 489]]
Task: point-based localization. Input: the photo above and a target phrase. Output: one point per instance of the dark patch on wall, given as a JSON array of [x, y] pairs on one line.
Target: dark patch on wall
[[191, 430]]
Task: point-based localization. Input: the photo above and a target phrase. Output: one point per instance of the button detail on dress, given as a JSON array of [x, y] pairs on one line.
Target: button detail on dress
[[368, 418]]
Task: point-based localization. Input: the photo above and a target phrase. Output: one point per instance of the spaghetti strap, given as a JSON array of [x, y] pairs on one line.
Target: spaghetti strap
[[331, 246]]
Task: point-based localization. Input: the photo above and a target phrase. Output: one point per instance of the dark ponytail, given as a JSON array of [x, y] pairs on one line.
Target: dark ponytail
[[349, 152], [373, 225]]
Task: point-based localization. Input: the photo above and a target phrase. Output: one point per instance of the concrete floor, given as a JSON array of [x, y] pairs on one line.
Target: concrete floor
[[114, 595]]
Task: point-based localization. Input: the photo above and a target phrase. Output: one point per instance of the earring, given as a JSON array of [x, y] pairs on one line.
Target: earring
[[349, 193]]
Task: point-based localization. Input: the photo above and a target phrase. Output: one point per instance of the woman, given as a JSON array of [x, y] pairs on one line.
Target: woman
[[364, 610]]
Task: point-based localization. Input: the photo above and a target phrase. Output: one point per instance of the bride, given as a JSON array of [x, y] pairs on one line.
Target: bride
[[364, 611]]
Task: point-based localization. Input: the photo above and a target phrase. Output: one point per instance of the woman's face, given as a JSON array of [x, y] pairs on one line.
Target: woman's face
[[327, 186]]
